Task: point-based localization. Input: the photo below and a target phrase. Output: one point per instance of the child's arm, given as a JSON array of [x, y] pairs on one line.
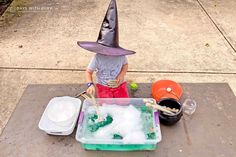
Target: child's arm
[[89, 79], [122, 73]]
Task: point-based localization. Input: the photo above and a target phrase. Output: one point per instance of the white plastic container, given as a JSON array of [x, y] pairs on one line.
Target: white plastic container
[[61, 111], [52, 123]]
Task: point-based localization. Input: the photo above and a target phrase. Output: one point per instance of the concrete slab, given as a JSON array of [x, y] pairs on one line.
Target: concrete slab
[[210, 132], [14, 82], [167, 28], [223, 14], [167, 35]]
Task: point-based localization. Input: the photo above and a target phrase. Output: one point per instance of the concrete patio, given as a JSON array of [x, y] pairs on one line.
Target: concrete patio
[[203, 134], [189, 41]]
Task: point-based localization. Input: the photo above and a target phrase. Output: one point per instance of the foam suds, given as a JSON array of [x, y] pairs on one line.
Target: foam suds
[[127, 123]]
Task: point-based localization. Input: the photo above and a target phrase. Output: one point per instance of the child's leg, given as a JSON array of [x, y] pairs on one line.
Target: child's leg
[[121, 91], [103, 91]]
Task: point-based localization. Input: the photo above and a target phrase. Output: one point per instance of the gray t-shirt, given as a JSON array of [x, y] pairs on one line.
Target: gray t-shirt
[[106, 67]]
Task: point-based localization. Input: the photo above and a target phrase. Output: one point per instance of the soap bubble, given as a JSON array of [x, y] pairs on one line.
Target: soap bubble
[[127, 122]]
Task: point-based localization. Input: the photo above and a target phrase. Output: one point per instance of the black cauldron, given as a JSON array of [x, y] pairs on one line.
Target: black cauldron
[[166, 118]]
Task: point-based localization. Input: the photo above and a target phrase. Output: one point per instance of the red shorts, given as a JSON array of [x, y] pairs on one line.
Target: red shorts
[[107, 92]]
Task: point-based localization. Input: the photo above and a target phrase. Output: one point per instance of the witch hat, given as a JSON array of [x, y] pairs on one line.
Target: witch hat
[[108, 39]]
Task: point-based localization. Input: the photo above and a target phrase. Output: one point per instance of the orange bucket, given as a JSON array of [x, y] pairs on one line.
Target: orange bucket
[[166, 89]]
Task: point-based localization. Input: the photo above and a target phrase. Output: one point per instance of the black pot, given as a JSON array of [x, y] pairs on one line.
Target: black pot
[[166, 118]]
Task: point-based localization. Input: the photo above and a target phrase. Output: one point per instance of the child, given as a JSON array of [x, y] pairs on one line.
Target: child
[[108, 68], [110, 62]]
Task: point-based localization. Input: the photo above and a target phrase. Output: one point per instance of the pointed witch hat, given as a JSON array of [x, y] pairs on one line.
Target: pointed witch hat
[[108, 39]]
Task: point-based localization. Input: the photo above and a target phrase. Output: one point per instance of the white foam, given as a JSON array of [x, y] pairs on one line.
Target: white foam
[[137, 137], [126, 122], [61, 110]]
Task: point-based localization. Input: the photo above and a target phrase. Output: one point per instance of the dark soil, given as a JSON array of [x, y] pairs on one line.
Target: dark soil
[[3, 5]]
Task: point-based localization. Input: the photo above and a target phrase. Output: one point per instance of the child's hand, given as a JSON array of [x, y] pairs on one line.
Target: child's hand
[[91, 90], [119, 78]]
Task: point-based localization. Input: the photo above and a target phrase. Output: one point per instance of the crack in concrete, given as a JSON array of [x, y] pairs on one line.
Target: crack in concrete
[[131, 71], [217, 27]]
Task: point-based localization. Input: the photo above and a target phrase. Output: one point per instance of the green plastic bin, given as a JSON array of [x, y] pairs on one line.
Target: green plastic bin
[[89, 143]]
